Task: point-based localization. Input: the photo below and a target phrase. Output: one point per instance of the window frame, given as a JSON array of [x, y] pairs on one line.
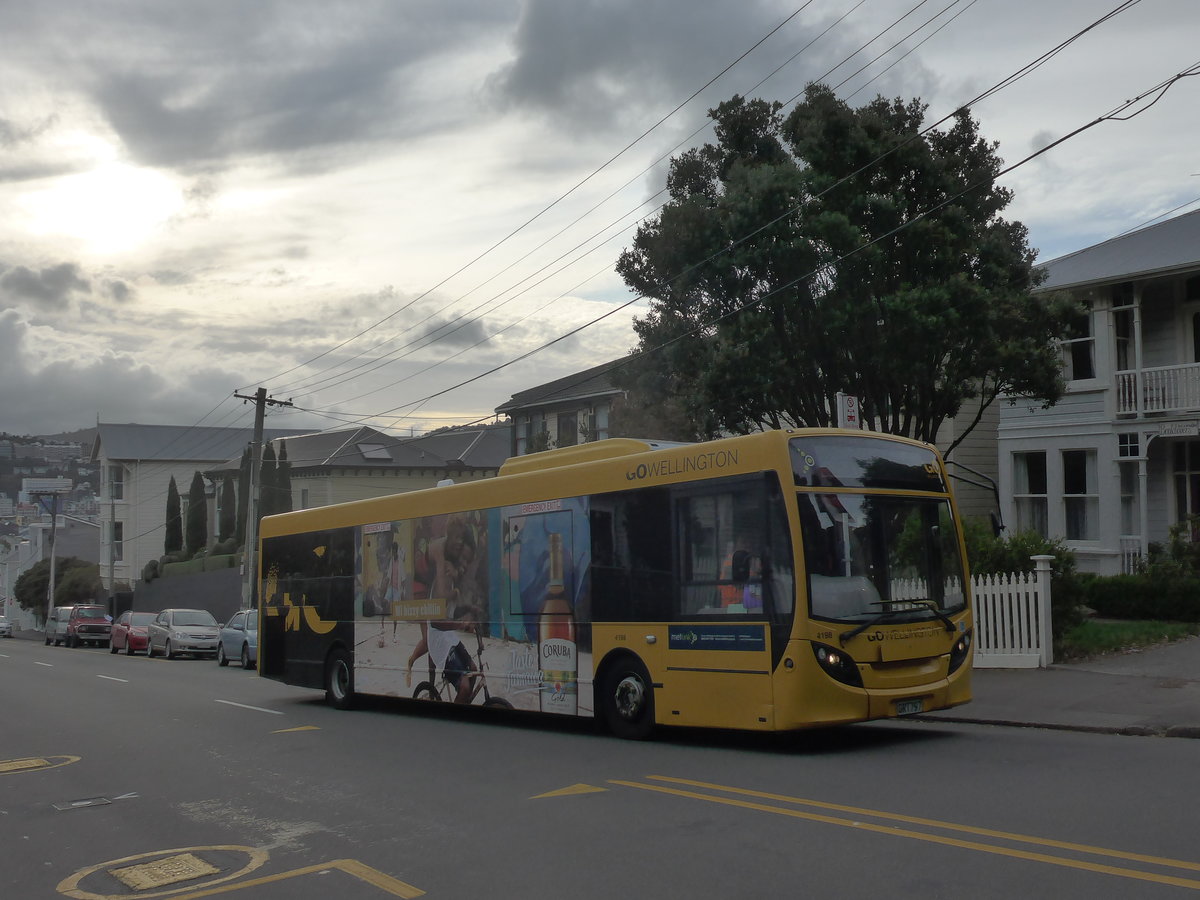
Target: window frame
[[1080, 498]]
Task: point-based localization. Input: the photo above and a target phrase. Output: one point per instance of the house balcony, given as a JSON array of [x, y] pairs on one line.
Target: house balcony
[[1164, 389]]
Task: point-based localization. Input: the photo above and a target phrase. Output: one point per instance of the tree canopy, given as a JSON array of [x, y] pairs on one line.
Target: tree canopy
[[834, 250], [75, 581]]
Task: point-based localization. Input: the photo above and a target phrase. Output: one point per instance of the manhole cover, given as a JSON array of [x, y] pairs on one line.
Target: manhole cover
[[162, 872]]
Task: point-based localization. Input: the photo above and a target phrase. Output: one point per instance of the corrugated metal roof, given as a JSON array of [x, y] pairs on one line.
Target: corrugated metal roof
[[1170, 246], [588, 383], [192, 443], [484, 447]]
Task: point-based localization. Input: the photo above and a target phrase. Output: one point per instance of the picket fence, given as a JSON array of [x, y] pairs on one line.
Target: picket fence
[[1012, 619]]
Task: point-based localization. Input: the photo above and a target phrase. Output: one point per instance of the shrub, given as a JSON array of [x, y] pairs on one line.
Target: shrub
[[992, 555], [150, 571]]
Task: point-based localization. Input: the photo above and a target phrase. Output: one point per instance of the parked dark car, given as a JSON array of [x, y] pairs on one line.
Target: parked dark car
[[129, 632], [56, 625], [88, 624], [176, 631], [239, 639]]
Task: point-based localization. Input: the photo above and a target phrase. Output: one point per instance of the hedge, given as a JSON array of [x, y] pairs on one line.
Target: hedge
[[200, 564], [1144, 597]]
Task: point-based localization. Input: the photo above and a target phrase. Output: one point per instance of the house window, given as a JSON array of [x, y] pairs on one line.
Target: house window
[[117, 543], [1081, 497], [600, 423], [116, 482], [1079, 348], [1128, 446], [304, 498], [568, 430], [524, 433], [1123, 336], [1186, 476], [1130, 499], [1029, 494]]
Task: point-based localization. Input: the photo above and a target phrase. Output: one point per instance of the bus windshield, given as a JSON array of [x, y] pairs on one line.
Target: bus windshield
[[870, 554]]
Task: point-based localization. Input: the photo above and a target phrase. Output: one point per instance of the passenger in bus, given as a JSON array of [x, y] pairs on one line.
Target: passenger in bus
[[741, 574]]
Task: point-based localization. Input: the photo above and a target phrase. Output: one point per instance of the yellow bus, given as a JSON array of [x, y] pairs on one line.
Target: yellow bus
[[772, 581]]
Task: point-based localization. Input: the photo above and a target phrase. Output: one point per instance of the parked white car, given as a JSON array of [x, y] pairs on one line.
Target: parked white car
[[6, 627], [177, 631]]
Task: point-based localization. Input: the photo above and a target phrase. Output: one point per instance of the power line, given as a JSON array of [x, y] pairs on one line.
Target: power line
[[1156, 92]]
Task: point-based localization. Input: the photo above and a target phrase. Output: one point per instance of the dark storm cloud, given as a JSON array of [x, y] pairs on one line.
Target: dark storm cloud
[[113, 386], [185, 84], [53, 286], [591, 60]]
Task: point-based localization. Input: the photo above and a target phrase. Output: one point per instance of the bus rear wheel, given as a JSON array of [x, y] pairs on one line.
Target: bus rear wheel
[[339, 680], [627, 699]]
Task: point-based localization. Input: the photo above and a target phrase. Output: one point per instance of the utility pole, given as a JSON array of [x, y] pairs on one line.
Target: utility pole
[[260, 401]]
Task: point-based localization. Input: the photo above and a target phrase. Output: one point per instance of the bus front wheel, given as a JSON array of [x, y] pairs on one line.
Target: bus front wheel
[[339, 680], [627, 699]]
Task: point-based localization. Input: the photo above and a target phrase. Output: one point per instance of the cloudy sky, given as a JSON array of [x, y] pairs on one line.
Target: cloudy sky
[[366, 207]]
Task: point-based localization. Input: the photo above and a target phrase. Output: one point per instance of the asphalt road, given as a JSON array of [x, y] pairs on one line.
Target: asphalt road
[[128, 777]]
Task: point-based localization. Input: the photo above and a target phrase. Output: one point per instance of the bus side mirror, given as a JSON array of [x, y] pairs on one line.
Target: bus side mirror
[[997, 525]]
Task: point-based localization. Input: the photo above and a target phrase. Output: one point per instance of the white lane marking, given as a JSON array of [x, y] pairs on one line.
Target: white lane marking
[[111, 678], [47, 665], [273, 712]]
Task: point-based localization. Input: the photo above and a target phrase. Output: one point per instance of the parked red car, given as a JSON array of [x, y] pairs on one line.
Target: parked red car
[[88, 624], [129, 632]]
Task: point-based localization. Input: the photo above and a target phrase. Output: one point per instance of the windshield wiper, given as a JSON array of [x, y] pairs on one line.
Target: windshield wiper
[[889, 613]]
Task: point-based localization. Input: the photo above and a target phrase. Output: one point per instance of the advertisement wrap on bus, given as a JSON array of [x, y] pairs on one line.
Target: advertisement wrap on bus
[[768, 582]]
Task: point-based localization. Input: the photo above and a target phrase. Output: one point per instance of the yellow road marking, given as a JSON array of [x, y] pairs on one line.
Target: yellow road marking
[[571, 791], [934, 823], [34, 764], [297, 728], [931, 838], [351, 867]]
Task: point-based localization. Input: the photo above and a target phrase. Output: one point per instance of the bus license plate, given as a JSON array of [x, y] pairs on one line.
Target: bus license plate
[[909, 707]]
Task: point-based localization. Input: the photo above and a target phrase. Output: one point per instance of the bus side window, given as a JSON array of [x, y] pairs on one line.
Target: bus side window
[[631, 556]]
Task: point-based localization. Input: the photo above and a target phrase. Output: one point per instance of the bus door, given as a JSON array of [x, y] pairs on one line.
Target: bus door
[[717, 658]]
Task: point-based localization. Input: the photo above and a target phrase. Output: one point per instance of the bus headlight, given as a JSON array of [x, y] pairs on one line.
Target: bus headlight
[[837, 664], [958, 653]]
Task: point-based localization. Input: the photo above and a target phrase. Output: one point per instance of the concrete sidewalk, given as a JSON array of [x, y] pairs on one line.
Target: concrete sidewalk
[[1148, 692]]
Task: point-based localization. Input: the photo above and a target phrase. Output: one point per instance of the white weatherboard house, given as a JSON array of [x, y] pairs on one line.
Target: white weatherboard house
[[1116, 462], [137, 463]]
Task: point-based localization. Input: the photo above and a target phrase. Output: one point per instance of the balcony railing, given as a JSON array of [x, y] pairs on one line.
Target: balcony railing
[[1163, 389]]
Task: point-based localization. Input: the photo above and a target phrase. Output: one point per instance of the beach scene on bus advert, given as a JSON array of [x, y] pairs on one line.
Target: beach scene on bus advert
[[477, 607]]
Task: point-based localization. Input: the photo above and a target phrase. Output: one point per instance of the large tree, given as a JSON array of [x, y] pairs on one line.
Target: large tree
[[835, 249], [173, 542], [227, 527], [75, 581], [196, 531]]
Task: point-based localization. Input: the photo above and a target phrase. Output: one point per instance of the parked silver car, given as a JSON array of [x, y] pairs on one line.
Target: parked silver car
[[239, 639], [5, 627], [177, 631]]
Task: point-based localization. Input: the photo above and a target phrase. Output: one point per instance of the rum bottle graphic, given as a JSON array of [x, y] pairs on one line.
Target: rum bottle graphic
[[556, 640]]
